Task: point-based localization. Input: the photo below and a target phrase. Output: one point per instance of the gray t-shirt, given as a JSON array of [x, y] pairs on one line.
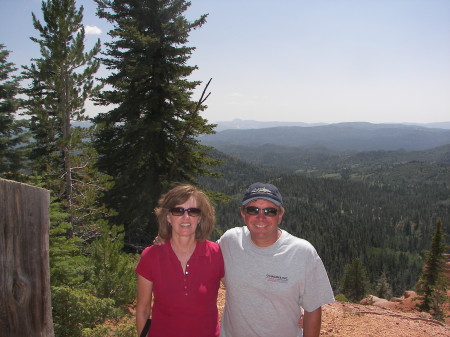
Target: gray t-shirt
[[267, 286]]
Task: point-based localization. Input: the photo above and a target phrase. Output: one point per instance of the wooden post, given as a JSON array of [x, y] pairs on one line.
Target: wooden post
[[25, 301]]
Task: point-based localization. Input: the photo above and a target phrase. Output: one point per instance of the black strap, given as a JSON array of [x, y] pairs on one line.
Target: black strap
[[146, 328]]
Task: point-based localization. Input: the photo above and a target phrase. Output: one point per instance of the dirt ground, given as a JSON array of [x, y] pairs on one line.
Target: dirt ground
[[355, 320], [398, 318]]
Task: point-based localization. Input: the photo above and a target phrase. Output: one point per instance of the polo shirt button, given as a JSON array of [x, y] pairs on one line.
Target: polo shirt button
[[187, 272], [185, 294]]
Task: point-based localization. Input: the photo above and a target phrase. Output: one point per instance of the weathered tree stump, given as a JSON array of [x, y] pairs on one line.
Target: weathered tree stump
[[25, 302]]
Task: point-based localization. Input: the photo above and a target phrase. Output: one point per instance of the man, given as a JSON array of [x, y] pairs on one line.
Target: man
[[270, 275]]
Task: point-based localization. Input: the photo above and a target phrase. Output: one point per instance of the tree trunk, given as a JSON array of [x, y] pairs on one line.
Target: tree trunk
[[67, 143]]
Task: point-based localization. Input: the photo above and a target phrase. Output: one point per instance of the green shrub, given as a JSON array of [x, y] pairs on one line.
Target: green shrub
[[122, 330], [98, 331], [74, 310], [112, 270], [341, 298], [67, 264], [125, 330]]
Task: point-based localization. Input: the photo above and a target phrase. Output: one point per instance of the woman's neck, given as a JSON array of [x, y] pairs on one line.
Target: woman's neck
[[183, 244], [183, 248]]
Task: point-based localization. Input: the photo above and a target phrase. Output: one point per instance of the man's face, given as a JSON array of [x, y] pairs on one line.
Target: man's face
[[263, 228]]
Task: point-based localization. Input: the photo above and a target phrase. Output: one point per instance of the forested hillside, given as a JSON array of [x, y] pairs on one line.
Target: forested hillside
[[385, 217], [318, 160]]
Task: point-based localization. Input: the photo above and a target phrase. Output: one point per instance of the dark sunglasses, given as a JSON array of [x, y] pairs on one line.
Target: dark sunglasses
[[179, 211], [269, 211]]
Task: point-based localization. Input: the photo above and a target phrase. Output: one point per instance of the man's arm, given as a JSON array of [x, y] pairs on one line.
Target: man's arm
[[312, 322]]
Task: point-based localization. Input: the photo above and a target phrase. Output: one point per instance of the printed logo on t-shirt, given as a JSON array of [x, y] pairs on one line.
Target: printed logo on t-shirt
[[276, 278]]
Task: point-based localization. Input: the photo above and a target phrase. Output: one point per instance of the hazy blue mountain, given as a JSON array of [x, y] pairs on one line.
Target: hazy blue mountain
[[338, 137], [438, 125], [356, 136], [241, 124]]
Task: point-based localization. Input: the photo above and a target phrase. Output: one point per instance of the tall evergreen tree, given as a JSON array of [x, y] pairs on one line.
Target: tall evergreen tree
[[383, 289], [148, 139], [433, 284], [355, 283], [12, 134], [61, 82]]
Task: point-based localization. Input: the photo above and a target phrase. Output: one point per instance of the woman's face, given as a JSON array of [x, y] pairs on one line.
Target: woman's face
[[183, 224]]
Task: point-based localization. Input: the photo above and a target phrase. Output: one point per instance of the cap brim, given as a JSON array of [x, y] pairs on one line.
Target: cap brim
[[275, 202]]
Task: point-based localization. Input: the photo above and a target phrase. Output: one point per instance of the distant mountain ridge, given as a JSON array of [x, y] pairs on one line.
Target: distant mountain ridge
[[354, 136], [241, 124], [358, 136], [252, 124]]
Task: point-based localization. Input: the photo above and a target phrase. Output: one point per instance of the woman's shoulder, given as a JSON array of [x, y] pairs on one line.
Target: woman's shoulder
[[154, 250], [211, 245], [209, 248]]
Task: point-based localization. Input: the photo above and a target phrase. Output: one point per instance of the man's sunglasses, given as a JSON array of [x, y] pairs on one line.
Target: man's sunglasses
[[269, 211], [179, 211]]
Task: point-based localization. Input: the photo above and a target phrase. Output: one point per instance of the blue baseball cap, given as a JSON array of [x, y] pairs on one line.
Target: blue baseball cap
[[263, 191]]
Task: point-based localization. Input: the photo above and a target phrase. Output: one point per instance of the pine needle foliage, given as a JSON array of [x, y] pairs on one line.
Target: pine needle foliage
[[355, 283], [148, 140], [12, 131], [112, 270], [383, 289], [75, 310], [61, 81], [67, 263], [433, 283]]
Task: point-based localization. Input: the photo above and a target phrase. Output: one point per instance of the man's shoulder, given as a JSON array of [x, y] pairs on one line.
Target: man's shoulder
[[231, 234], [234, 231], [296, 242]]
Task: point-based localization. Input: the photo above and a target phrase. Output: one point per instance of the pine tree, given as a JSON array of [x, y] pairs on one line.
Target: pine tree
[[383, 288], [148, 140], [433, 283], [61, 82], [67, 262], [112, 270], [355, 283], [12, 133]]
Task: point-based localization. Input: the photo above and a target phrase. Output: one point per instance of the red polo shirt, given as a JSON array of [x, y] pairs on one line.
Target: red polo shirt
[[185, 304]]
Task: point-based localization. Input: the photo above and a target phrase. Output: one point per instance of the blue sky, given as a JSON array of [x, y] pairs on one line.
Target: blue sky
[[379, 61]]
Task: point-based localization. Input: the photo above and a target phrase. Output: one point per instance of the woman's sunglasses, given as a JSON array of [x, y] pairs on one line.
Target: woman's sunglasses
[[179, 211], [269, 211]]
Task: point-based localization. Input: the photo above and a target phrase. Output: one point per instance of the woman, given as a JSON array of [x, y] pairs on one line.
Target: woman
[[183, 275]]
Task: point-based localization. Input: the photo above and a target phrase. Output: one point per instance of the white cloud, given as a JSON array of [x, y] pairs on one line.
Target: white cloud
[[92, 30]]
